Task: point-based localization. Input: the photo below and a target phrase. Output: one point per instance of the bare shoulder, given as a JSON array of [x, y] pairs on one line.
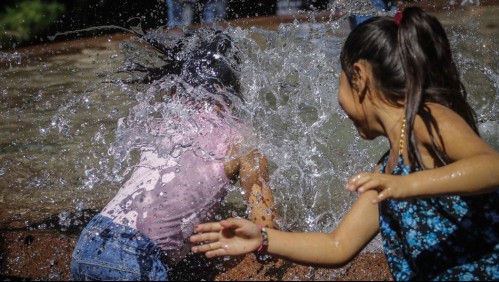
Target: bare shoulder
[[445, 116], [450, 133], [447, 122]]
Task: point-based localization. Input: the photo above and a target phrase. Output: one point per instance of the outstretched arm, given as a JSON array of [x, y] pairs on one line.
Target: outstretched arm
[[238, 236]]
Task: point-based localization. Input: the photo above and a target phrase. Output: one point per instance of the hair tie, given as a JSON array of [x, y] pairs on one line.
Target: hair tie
[[398, 17]]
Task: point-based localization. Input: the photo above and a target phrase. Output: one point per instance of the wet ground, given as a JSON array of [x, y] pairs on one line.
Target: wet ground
[[41, 250], [45, 255]]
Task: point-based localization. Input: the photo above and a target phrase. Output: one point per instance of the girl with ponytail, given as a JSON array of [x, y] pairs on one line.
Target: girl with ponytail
[[433, 196]]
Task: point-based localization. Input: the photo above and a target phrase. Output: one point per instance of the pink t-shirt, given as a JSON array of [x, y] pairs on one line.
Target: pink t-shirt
[[166, 196]]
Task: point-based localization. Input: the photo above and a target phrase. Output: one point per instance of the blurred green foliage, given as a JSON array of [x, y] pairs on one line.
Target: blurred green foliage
[[27, 19]]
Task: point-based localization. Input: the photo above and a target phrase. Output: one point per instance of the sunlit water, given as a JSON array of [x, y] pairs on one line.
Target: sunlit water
[[59, 118]]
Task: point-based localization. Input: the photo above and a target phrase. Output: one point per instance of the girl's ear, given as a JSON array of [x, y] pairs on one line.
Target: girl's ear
[[359, 78]]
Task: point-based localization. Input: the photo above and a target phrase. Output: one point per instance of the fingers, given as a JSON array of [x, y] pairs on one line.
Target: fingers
[[206, 247], [216, 253], [370, 181], [211, 250], [232, 223], [208, 227], [385, 194], [362, 182], [209, 232], [371, 184], [205, 237]]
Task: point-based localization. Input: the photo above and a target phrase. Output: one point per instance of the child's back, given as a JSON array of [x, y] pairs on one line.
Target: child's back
[[170, 192]]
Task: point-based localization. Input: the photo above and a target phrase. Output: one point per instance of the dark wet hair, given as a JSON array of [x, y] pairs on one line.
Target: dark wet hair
[[206, 58], [412, 65], [215, 62]]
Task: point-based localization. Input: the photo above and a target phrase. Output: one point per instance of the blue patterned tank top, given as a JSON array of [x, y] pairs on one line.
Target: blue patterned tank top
[[440, 238]]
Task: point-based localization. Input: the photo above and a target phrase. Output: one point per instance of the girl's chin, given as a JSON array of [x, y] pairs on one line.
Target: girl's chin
[[365, 135]]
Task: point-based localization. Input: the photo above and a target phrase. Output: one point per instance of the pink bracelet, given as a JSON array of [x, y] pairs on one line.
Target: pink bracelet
[[265, 242]]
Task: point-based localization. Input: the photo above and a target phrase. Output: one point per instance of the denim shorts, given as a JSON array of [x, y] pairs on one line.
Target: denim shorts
[[110, 251]]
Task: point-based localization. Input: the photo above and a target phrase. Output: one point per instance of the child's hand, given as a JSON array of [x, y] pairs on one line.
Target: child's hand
[[388, 186], [229, 237]]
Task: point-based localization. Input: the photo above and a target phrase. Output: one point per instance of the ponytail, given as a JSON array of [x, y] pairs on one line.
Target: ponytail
[[412, 65], [430, 76]]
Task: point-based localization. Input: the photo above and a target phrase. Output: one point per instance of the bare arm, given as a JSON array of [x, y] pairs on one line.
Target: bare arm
[[355, 231], [254, 176], [238, 236], [474, 166], [252, 171]]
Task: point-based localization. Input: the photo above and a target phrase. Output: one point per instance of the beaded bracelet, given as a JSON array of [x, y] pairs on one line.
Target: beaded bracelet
[[265, 242]]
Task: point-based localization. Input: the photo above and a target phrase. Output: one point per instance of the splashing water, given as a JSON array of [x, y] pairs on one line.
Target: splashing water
[[63, 148]]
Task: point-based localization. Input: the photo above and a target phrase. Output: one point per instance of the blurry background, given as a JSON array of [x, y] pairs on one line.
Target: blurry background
[[27, 22]]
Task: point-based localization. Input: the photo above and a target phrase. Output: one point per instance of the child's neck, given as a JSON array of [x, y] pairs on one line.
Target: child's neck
[[394, 126], [396, 149]]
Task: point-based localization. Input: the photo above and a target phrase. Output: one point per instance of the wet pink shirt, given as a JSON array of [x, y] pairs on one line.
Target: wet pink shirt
[[166, 197]]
